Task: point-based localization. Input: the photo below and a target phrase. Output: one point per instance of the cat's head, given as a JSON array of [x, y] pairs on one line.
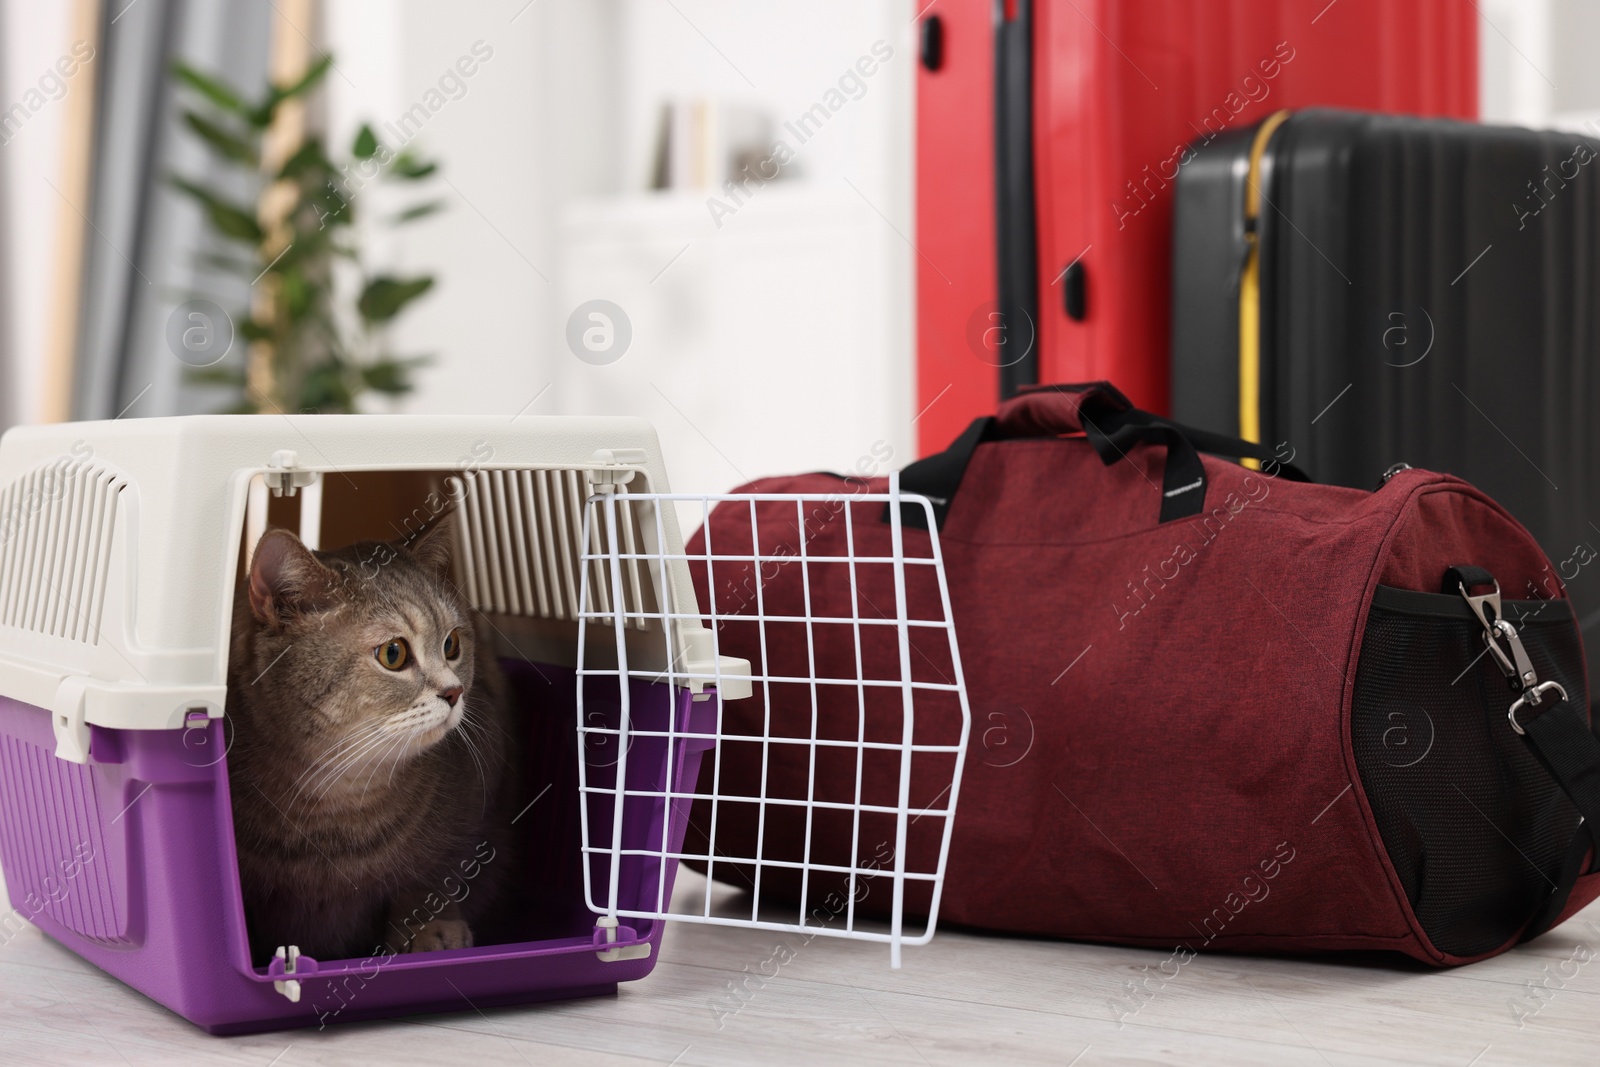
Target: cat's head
[[364, 653]]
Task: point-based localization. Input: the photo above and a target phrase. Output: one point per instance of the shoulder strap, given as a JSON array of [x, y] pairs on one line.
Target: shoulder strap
[[1561, 740]]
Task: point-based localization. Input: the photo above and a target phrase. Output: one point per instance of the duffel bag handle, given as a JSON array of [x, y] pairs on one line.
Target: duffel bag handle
[[1052, 410], [1112, 426]]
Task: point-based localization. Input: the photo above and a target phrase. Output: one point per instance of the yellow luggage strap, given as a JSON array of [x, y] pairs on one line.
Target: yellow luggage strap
[[1250, 290]]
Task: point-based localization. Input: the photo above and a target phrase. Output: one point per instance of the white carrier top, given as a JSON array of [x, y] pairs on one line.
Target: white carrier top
[[119, 541]]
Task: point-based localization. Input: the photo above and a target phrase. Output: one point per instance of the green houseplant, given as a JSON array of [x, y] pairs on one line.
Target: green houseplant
[[305, 352]]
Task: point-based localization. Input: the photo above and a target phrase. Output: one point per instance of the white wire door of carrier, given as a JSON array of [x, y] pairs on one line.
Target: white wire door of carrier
[[834, 788]]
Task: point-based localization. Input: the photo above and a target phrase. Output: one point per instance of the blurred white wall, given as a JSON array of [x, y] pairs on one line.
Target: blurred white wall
[[1515, 49], [1537, 62], [779, 340]]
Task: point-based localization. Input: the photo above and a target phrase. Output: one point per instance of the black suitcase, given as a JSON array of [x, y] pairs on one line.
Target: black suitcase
[[1380, 289]]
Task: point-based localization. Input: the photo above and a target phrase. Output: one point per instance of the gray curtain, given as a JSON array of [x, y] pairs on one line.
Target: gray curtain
[[143, 250]]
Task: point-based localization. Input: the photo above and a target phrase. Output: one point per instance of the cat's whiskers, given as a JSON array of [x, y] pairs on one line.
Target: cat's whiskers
[[339, 777], [330, 767], [333, 752], [432, 718], [378, 740], [473, 754], [394, 764], [466, 724], [393, 767], [413, 725]]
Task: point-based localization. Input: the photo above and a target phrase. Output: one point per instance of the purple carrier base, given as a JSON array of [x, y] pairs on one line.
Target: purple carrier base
[[129, 861]]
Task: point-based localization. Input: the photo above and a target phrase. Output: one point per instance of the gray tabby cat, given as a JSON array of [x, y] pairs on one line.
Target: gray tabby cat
[[371, 760]]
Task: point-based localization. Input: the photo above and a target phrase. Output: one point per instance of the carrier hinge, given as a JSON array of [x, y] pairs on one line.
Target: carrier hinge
[[605, 932], [706, 669], [289, 987], [618, 466], [284, 476]]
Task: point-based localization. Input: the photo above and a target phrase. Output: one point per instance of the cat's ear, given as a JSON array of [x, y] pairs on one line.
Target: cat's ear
[[287, 580], [431, 547]]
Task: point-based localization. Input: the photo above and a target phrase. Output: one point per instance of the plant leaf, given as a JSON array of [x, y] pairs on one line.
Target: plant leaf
[[366, 145], [296, 291], [307, 158], [224, 142], [391, 376], [408, 166], [213, 90], [261, 115], [384, 297], [319, 213], [229, 219], [331, 205], [306, 81], [251, 330], [326, 388], [419, 211]]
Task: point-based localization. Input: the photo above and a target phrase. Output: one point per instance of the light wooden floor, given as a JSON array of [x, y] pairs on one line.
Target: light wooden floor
[[962, 999]]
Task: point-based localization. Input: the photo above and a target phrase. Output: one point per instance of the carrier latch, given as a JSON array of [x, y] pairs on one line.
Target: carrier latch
[[1517, 668], [67, 715]]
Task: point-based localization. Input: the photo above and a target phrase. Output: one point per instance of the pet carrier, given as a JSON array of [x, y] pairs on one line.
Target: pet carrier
[[120, 547]]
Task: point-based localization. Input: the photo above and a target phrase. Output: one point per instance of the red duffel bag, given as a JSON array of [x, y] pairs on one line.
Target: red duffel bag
[[1212, 706]]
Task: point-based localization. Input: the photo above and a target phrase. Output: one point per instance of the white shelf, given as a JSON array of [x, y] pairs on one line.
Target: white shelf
[[766, 345]]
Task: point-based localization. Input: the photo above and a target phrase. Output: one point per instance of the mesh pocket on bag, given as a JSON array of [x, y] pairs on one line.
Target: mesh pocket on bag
[[1475, 827]]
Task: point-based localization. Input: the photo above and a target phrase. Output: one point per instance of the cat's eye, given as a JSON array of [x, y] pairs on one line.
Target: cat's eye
[[394, 654], [452, 645]]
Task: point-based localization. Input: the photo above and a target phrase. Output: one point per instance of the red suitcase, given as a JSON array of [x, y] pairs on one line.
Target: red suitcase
[[1048, 249]]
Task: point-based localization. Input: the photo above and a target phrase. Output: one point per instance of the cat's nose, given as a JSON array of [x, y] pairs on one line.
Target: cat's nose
[[451, 695]]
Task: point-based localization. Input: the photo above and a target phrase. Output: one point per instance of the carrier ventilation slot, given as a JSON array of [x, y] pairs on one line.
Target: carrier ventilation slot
[[520, 548], [56, 527], [56, 845]]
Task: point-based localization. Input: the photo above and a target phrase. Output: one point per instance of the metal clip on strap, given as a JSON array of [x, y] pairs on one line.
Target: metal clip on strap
[[1533, 697], [1517, 667]]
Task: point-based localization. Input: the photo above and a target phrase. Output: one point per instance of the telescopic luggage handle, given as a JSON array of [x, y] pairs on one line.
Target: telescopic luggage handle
[[1112, 426]]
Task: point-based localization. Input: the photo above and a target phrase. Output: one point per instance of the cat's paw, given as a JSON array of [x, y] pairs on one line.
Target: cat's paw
[[441, 934]]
